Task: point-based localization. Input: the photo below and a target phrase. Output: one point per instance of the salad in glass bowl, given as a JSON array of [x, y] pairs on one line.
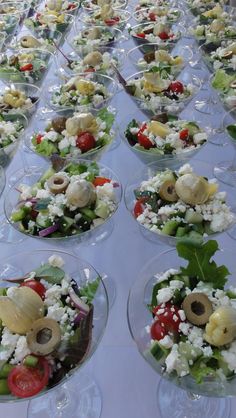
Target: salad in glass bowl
[[102, 60], [158, 13], [178, 204], [72, 134], [189, 340], [218, 29], [73, 201], [199, 7], [9, 23], [157, 91], [53, 310], [19, 97], [83, 91], [88, 38], [93, 5], [44, 39], [160, 33], [149, 55], [14, 8], [217, 12], [163, 136], [59, 6], [12, 127], [106, 15], [46, 20], [26, 67], [220, 54], [224, 82]]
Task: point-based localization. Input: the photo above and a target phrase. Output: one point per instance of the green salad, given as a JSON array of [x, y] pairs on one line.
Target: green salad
[[224, 81]]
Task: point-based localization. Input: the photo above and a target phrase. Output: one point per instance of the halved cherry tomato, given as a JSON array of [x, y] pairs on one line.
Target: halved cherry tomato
[[139, 207], [39, 138], [176, 87], [90, 70], [71, 6], [143, 140], [152, 16], [26, 381], [163, 35], [100, 181], [157, 331], [168, 318], [113, 21], [85, 141], [37, 286], [184, 134], [141, 35], [27, 67]]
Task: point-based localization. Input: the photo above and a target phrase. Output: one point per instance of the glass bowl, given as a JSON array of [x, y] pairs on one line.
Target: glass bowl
[[174, 400], [223, 81], [44, 39], [42, 126], [155, 235], [120, 19], [219, 54], [9, 23], [71, 7], [86, 227], [159, 102], [143, 33], [101, 61], [7, 152], [61, 23], [91, 6], [143, 56], [14, 8], [83, 274], [20, 67], [158, 13], [157, 154], [205, 33], [88, 94], [2, 180], [30, 94], [83, 42]]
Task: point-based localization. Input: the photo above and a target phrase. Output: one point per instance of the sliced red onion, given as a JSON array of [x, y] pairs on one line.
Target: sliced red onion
[[78, 302], [47, 231], [81, 315], [115, 184]]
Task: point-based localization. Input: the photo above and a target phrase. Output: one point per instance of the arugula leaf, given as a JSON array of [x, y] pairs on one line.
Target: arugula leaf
[[132, 139], [107, 117], [200, 264], [202, 369], [53, 275], [90, 289], [231, 129]]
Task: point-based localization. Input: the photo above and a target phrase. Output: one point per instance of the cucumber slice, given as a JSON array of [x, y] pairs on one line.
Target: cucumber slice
[[20, 214], [181, 231], [207, 228], [65, 223], [192, 217], [189, 351], [170, 227], [48, 173], [89, 213], [158, 351], [102, 209]]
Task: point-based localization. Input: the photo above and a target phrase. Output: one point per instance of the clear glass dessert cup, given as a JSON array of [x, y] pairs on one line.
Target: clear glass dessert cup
[[45, 39], [124, 17], [49, 25], [31, 91], [7, 153], [42, 8], [142, 15], [89, 6], [164, 104], [2, 180], [177, 29], [200, 168], [178, 397], [60, 398], [41, 123], [92, 236]]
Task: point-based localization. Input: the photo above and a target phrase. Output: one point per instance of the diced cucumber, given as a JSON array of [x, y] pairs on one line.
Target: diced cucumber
[[198, 228], [170, 227], [102, 209], [4, 389], [48, 173], [182, 366], [169, 175], [65, 223], [192, 217], [89, 213], [192, 128], [30, 361], [189, 351], [231, 294], [3, 291], [181, 231], [5, 370], [207, 228], [20, 214], [158, 351], [223, 365], [43, 221]]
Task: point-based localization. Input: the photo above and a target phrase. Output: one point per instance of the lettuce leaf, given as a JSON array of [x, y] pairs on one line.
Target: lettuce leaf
[[222, 80], [107, 117]]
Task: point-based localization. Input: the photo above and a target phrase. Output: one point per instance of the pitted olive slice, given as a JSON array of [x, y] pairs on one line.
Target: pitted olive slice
[[233, 84], [167, 191], [29, 42], [59, 124], [197, 308], [227, 54], [44, 336], [58, 183]]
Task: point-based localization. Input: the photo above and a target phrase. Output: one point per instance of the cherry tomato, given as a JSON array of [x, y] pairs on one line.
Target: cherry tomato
[[157, 331], [144, 141], [36, 286], [26, 381], [85, 141], [163, 35], [27, 67], [113, 21], [141, 35], [100, 181], [39, 138], [176, 87], [169, 317], [184, 134], [90, 70], [152, 16], [71, 6], [139, 207]]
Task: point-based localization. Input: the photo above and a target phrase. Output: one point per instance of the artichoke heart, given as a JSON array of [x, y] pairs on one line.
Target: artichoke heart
[[221, 328], [83, 122], [194, 189], [154, 83], [20, 308], [84, 86]]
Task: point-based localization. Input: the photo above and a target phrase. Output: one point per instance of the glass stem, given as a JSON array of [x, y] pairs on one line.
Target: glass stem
[[193, 396], [233, 164], [61, 402]]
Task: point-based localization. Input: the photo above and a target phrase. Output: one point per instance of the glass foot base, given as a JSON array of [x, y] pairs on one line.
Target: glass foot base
[[224, 172], [204, 107], [79, 398], [176, 403], [218, 138]]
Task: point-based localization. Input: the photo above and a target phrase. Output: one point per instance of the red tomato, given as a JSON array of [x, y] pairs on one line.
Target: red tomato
[[27, 67], [39, 138], [113, 21], [163, 35], [90, 70], [176, 87], [139, 207], [26, 381], [169, 318], [141, 35], [184, 134], [152, 16], [85, 141], [144, 141], [157, 331], [71, 6], [100, 181], [36, 286]]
